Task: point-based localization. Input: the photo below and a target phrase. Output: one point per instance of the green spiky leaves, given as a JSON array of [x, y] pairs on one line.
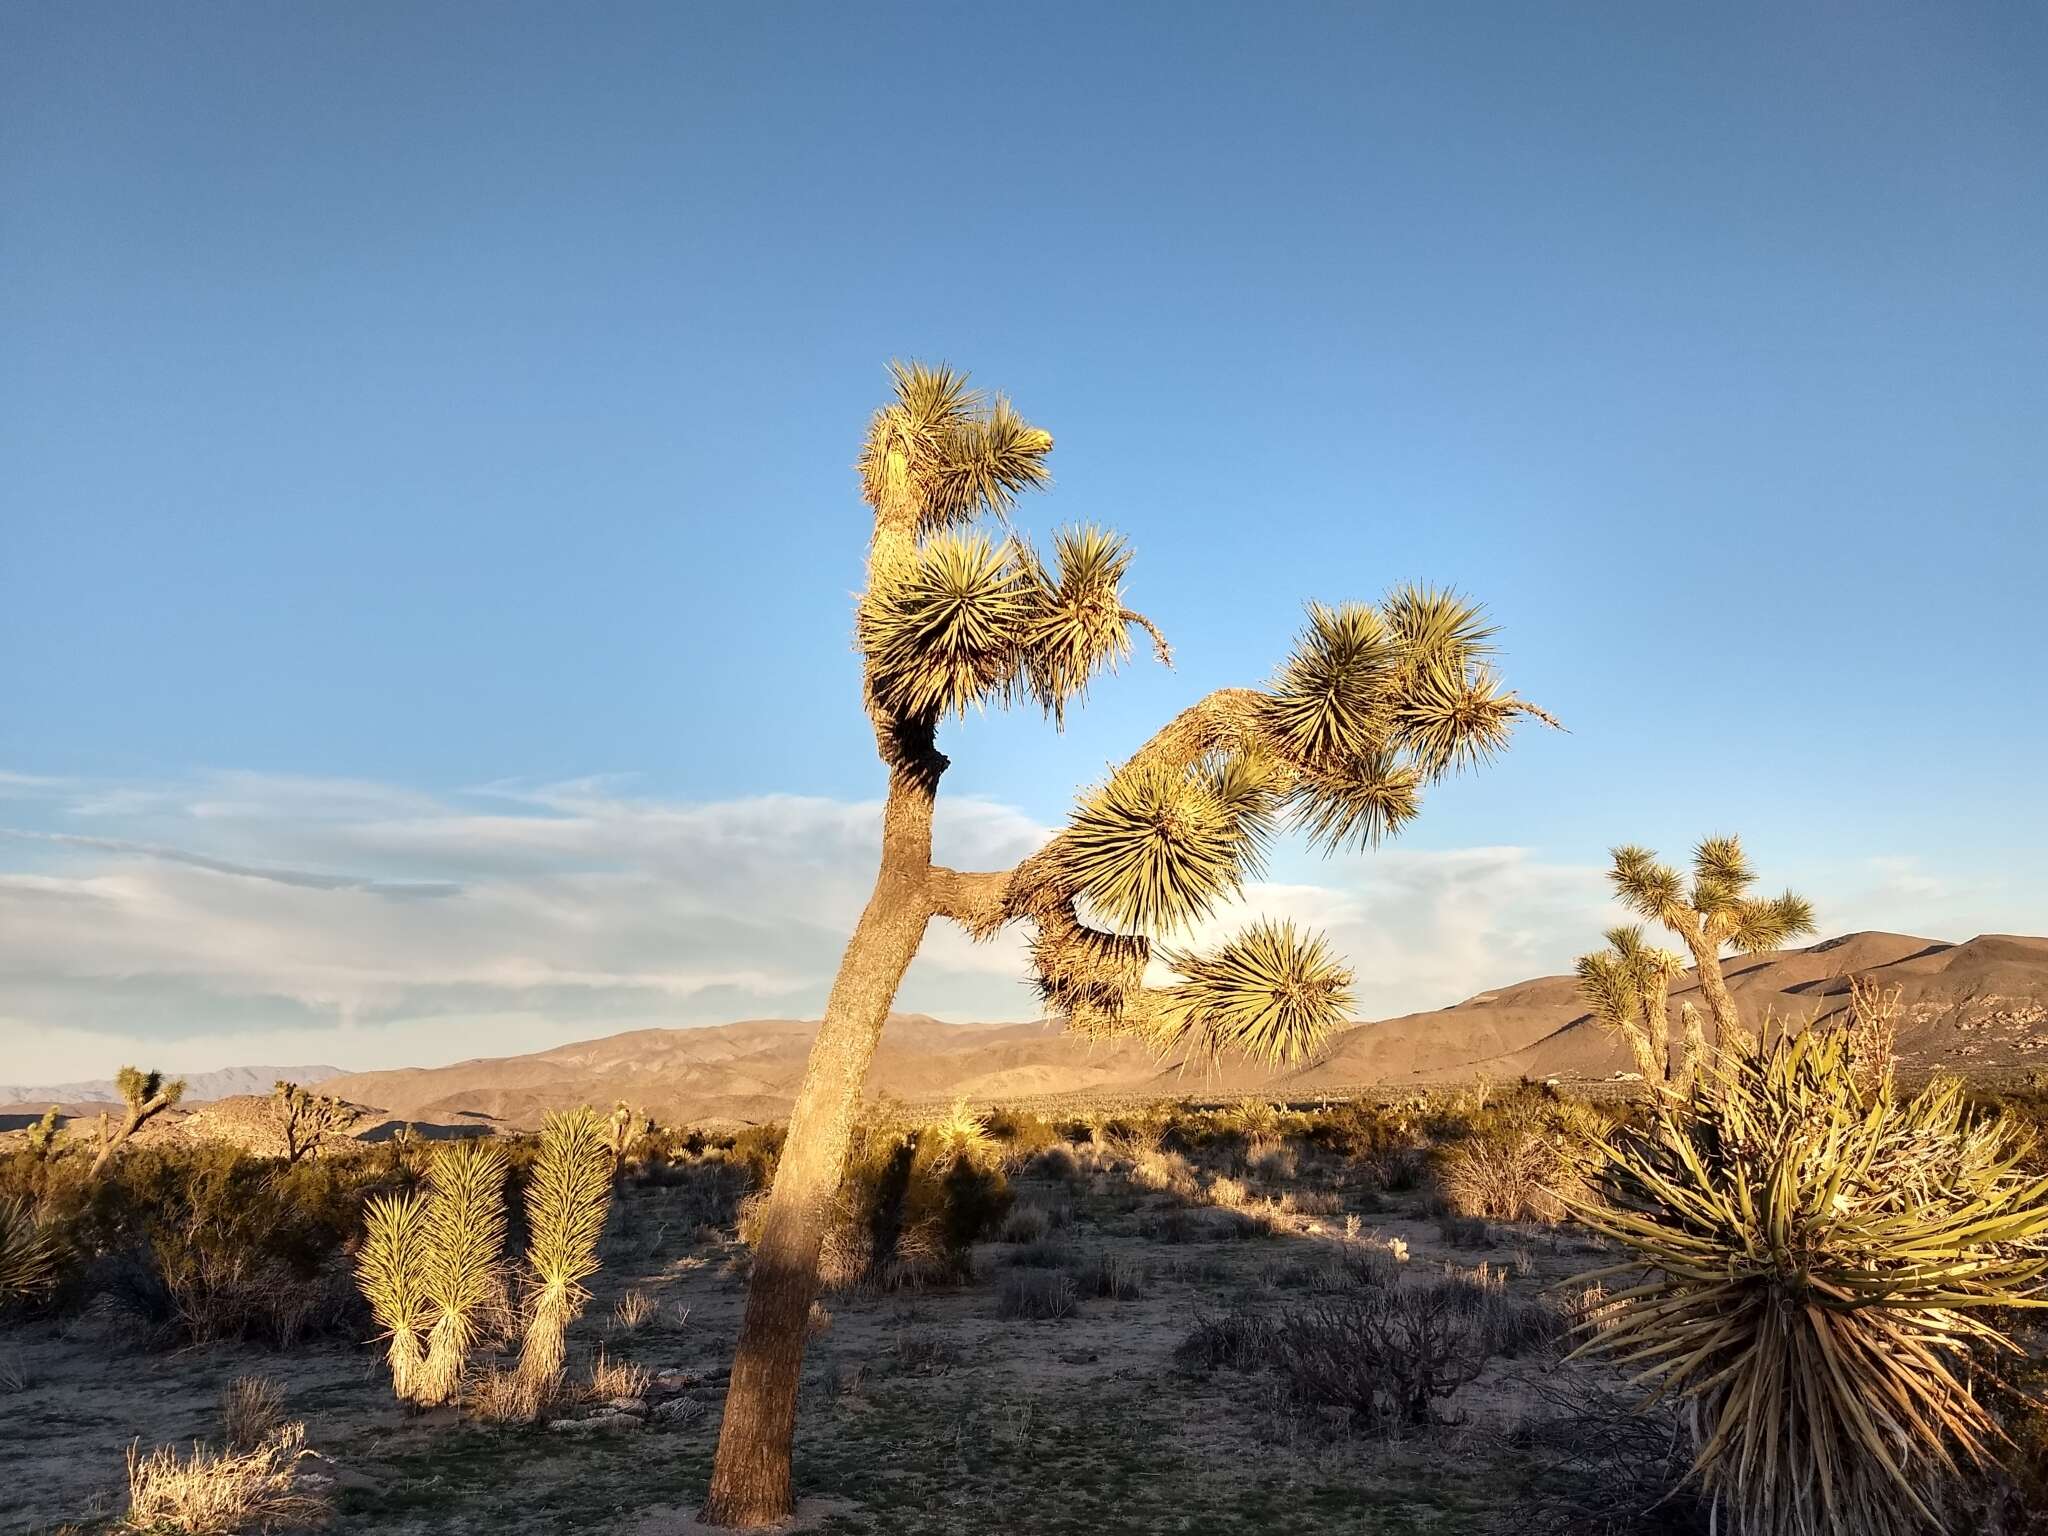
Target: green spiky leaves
[[1356, 801], [944, 452], [1154, 848], [1718, 909], [391, 1272], [566, 1202], [1330, 700], [1270, 994], [1811, 1259], [944, 635], [970, 621], [28, 1255]]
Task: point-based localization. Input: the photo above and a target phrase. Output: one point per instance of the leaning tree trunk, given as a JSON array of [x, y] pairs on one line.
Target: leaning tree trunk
[[1728, 1026], [750, 1479]]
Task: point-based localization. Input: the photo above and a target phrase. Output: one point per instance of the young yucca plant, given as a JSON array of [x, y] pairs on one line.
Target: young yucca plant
[[465, 1231], [1813, 1259], [391, 1272], [28, 1255], [566, 1200]]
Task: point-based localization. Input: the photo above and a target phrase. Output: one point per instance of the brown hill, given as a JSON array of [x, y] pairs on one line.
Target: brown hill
[[1980, 1007]]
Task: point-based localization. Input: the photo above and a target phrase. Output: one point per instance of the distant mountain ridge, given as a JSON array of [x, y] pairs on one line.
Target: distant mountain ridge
[[199, 1086], [1979, 1008]]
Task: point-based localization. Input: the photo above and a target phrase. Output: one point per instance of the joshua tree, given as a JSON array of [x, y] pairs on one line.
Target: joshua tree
[[1716, 912], [306, 1119], [43, 1135], [1628, 987], [145, 1095], [28, 1255], [1375, 703], [391, 1272]]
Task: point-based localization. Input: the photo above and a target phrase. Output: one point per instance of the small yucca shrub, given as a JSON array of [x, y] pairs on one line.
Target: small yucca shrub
[[28, 1255], [465, 1231], [1811, 1260], [566, 1201]]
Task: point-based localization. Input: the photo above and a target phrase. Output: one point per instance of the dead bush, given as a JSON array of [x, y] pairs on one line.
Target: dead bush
[[251, 1408]]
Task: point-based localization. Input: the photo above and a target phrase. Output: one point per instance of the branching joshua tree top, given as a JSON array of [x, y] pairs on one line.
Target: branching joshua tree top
[[144, 1095], [1628, 988], [1376, 702], [1716, 912]]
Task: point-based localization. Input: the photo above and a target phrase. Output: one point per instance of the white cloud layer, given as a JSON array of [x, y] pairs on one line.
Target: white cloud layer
[[243, 918]]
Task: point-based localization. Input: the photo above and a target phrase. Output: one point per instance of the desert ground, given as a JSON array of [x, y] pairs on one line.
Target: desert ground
[[928, 1408]]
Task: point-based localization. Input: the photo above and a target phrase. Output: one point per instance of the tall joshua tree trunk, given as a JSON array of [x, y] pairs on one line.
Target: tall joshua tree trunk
[[750, 1480]]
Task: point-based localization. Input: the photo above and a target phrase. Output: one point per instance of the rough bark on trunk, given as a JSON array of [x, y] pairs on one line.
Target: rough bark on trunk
[[750, 1483], [1728, 1027]]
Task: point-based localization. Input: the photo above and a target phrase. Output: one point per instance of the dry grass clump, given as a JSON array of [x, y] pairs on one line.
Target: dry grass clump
[[251, 1408], [635, 1310], [499, 1396], [610, 1379], [1116, 1276], [211, 1493], [1038, 1294]]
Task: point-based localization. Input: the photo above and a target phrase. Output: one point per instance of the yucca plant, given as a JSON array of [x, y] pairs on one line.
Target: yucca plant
[[567, 1195], [960, 612], [391, 1271], [28, 1255], [1711, 914], [1812, 1260], [465, 1240]]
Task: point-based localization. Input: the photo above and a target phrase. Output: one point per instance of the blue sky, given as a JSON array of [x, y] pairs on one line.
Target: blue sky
[[426, 435]]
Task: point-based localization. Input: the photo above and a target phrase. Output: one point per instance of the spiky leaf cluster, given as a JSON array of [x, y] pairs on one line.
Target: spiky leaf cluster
[[948, 452], [566, 1201], [968, 621], [1375, 703], [28, 1255], [1812, 1259], [1270, 994], [465, 1234], [1717, 910], [392, 1273], [1155, 847]]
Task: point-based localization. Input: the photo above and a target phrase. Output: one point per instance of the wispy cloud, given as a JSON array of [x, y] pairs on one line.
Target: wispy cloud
[[239, 917]]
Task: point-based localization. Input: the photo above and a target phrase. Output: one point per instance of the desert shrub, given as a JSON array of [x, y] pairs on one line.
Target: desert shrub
[[1464, 1232], [1023, 1135], [1591, 1461], [1386, 1355], [211, 1493], [251, 1408], [1115, 1276], [1273, 1161], [1045, 1253], [924, 1351], [1238, 1339], [634, 1310], [1398, 1169], [28, 1256], [1503, 1176], [1228, 1193], [1039, 1294], [1055, 1162], [1026, 1224], [757, 1150], [1811, 1258]]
